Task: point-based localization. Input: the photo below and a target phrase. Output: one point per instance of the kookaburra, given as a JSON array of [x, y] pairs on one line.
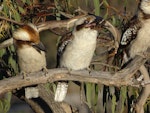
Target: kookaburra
[[30, 50], [137, 34], [75, 51]]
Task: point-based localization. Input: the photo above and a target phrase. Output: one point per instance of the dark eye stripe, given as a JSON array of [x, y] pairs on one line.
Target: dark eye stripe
[[79, 27]]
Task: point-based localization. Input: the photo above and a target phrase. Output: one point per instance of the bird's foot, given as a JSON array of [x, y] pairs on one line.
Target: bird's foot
[[24, 74], [88, 69], [45, 70], [69, 71]]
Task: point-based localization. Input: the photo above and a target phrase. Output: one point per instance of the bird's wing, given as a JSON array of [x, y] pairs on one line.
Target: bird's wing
[[64, 41], [131, 31]]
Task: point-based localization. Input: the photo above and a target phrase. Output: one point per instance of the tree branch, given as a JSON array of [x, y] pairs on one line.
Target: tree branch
[[139, 105], [11, 20], [48, 97], [57, 24], [120, 78], [6, 43]]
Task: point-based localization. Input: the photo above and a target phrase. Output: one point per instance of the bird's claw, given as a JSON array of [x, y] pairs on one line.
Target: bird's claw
[[45, 70], [24, 74]]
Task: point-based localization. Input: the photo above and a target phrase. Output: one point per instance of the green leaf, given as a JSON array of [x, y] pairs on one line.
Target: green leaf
[[91, 94], [123, 95], [28, 2], [17, 16], [86, 2], [105, 2], [2, 52], [12, 62], [96, 6], [21, 10], [113, 103], [114, 20], [6, 10], [88, 93], [5, 102], [1, 106], [1, 36], [24, 1]]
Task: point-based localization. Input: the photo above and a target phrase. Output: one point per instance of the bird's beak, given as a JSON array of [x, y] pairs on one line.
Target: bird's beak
[[95, 24], [39, 46], [99, 20]]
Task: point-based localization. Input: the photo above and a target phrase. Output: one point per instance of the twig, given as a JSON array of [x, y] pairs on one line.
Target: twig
[[6, 43], [66, 15], [81, 11], [115, 32], [11, 20], [104, 64]]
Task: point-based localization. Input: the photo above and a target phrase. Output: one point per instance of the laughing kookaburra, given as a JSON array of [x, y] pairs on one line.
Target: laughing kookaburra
[[137, 35], [30, 51], [75, 50]]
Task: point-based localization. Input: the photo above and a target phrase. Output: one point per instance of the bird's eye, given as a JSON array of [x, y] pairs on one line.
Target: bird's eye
[[86, 21]]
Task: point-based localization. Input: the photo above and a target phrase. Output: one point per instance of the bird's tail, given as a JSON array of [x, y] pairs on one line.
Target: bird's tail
[[61, 91]]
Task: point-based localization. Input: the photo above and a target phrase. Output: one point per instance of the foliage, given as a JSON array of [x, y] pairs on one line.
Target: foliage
[[5, 103]]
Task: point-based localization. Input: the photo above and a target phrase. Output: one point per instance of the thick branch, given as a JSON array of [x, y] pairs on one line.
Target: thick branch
[[35, 107], [120, 78], [139, 105], [58, 24], [48, 97]]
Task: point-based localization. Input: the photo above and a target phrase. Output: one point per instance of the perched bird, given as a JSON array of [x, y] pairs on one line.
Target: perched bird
[[137, 35], [30, 51], [75, 50]]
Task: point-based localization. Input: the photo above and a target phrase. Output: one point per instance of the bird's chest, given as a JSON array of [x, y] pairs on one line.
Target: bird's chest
[[144, 32], [30, 60], [79, 52], [142, 41]]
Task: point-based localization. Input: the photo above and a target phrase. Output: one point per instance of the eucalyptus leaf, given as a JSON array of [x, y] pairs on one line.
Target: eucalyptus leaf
[[7, 101], [17, 16], [1, 106], [21, 10], [96, 6], [24, 1], [113, 103], [28, 2]]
